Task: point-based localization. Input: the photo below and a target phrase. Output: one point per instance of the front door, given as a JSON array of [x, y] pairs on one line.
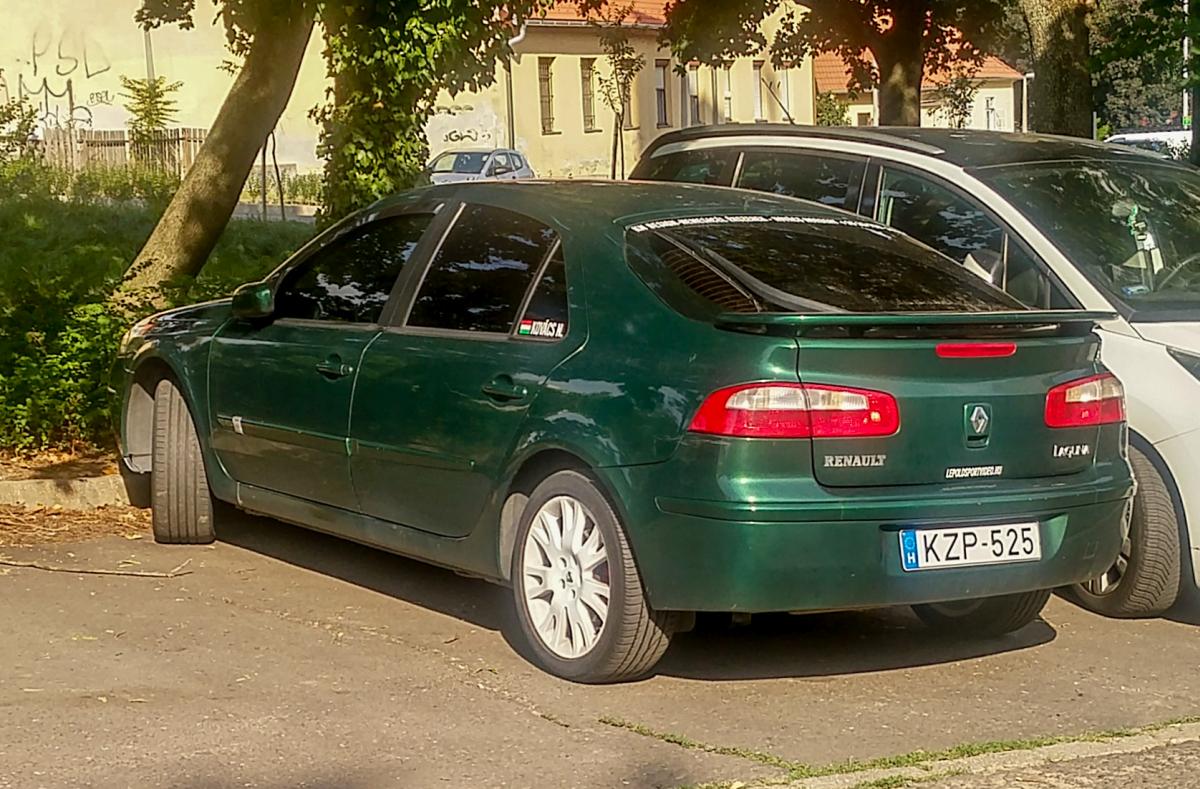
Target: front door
[[441, 398], [280, 391]]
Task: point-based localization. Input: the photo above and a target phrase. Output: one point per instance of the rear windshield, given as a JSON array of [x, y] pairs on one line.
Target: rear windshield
[[703, 265]]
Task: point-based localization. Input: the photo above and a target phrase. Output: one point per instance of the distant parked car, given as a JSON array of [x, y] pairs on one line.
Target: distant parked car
[[1057, 223], [456, 166], [1174, 143], [634, 402]]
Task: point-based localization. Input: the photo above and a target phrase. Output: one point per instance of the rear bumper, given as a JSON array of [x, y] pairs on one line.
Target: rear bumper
[[692, 563]]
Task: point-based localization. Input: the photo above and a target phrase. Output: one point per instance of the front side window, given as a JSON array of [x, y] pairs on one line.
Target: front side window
[[480, 275], [934, 215], [803, 264], [350, 280], [824, 179], [712, 166], [1131, 227]]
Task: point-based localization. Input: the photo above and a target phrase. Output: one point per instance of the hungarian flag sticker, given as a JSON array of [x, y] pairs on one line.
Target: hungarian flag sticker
[[553, 330]]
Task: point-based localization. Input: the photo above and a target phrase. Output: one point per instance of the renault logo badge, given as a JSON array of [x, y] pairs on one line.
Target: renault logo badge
[[980, 420], [977, 424]]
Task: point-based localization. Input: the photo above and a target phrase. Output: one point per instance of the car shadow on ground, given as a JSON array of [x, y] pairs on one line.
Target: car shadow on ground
[[775, 645]]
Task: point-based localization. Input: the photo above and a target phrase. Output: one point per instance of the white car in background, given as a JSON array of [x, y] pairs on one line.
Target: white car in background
[[455, 166], [1174, 143], [1057, 223]]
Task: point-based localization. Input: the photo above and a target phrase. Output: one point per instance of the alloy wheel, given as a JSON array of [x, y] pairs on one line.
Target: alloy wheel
[[566, 577]]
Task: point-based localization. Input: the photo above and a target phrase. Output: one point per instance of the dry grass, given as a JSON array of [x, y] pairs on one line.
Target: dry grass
[[23, 526], [58, 465]]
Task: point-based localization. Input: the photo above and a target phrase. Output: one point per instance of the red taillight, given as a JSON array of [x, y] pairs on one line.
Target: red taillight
[[779, 410], [975, 350], [1096, 400]]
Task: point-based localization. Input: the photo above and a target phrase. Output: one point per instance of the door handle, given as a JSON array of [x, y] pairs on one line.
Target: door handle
[[502, 387], [334, 367]]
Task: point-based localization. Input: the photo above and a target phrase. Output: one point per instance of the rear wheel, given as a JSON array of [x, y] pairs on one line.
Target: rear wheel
[[578, 595], [987, 616], [1144, 581], [181, 502]]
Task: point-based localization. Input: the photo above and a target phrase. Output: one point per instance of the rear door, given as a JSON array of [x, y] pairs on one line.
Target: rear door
[[280, 390], [442, 395]]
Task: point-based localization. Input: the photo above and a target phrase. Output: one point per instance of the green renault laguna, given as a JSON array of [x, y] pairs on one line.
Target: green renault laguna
[[633, 402]]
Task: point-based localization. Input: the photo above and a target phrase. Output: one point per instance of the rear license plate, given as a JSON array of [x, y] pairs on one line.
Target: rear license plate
[[969, 546]]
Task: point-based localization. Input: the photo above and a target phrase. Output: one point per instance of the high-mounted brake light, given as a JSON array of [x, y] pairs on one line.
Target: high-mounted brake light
[[1096, 400], [976, 350], [783, 410]]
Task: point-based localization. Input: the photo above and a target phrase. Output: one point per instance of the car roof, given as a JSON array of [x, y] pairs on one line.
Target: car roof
[[577, 202], [967, 148]]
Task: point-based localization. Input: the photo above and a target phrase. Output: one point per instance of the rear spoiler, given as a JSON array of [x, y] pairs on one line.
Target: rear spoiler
[[917, 324]]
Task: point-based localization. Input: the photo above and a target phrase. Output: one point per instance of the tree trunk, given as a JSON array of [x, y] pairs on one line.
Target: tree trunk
[[199, 211], [900, 57], [1060, 95]]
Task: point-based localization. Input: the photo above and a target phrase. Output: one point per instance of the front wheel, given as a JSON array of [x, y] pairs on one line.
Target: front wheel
[[181, 502], [988, 616], [578, 595]]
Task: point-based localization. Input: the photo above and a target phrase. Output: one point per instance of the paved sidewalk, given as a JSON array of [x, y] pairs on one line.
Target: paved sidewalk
[[288, 658]]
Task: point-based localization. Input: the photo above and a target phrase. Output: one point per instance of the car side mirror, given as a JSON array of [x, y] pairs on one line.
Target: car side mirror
[[254, 300]]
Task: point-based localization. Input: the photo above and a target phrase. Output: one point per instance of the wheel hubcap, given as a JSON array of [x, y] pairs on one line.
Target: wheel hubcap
[[1107, 582], [566, 579]]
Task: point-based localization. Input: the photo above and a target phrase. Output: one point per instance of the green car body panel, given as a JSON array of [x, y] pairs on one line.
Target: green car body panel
[[395, 444]]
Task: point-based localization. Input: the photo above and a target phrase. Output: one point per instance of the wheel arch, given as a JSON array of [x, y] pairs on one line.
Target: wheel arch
[[529, 472], [137, 418]]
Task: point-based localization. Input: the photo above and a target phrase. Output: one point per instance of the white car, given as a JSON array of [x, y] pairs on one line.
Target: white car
[[1174, 143], [1057, 223], [476, 165]]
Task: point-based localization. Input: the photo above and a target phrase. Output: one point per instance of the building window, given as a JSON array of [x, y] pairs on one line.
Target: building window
[[587, 77], [546, 93], [727, 79], [864, 119], [693, 95], [661, 70], [785, 90], [758, 91], [627, 105]]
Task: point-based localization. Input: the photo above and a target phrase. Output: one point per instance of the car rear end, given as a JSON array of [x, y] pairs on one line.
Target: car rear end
[[907, 457]]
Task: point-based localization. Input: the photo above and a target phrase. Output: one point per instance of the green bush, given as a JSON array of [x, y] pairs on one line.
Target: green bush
[[60, 260], [298, 189]]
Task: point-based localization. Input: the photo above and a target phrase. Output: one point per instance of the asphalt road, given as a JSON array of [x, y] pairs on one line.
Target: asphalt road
[[286, 658]]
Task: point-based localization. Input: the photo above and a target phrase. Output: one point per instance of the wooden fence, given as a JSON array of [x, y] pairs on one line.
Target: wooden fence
[[173, 150]]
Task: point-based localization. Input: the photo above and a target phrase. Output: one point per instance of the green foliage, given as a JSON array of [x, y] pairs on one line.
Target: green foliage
[[831, 111], [298, 188], [1139, 73], [61, 259], [389, 60], [956, 97], [18, 121], [150, 105], [624, 63], [31, 177], [946, 31]]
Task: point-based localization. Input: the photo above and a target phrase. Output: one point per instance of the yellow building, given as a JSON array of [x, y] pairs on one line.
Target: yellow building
[[548, 103]]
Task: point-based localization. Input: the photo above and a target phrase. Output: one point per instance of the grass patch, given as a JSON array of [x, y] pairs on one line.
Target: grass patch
[[799, 770]]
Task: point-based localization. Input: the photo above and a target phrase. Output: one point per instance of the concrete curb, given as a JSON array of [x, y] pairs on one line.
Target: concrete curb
[[1011, 760], [73, 494]]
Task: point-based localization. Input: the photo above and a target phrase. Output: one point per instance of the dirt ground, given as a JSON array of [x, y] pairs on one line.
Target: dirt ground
[[25, 526], [58, 465]]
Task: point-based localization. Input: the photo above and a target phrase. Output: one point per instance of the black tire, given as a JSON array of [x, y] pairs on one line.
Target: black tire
[[181, 502], [989, 616], [1150, 584], [634, 637]]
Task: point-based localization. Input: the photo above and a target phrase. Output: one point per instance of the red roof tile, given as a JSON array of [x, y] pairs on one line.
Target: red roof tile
[[645, 12], [832, 75]]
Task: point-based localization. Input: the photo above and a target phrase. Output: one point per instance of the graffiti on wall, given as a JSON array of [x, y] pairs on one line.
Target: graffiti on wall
[[458, 125], [58, 75]]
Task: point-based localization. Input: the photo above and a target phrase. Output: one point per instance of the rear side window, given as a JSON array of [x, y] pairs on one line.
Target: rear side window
[[936, 216], [713, 166], [479, 277], [350, 280], [545, 318], [801, 264], [833, 181]]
